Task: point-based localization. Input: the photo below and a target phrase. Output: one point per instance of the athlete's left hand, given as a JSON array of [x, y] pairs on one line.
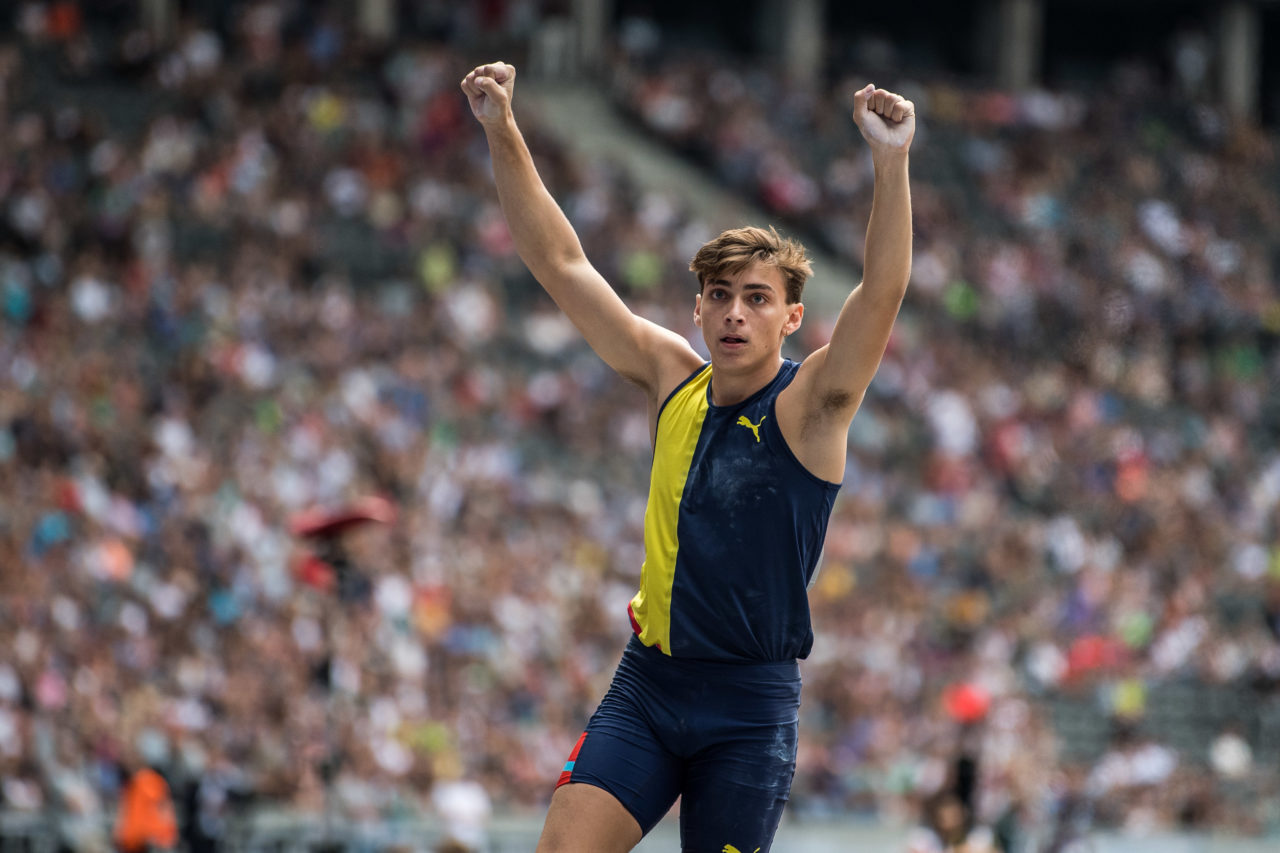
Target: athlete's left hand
[[887, 120], [489, 90]]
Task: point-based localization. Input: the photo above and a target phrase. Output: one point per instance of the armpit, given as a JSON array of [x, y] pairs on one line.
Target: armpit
[[832, 406], [836, 401]]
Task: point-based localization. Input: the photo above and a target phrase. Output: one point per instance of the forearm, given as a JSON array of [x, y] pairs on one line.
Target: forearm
[[887, 261], [542, 234]]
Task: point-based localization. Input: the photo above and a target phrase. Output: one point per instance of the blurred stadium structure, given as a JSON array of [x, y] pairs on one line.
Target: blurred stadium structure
[[251, 263]]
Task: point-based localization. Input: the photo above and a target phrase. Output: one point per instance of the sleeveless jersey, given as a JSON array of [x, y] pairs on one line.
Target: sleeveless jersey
[[733, 530]]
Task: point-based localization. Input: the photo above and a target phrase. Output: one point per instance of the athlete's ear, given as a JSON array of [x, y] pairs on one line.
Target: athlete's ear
[[697, 310], [795, 314]]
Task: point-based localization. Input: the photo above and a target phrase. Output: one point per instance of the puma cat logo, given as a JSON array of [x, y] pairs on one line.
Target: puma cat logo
[[755, 430]]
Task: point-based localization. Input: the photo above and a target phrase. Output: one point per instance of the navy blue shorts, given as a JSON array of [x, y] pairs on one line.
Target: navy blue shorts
[[722, 736]]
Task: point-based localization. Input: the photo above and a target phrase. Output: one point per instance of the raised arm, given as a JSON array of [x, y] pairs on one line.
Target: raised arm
[[834, 379], [639, 350]]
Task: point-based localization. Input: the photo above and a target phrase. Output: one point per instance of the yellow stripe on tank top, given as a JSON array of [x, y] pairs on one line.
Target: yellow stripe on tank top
[[679, 425]]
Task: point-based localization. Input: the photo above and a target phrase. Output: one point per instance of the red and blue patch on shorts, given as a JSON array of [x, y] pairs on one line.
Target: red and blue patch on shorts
[[567, 773]]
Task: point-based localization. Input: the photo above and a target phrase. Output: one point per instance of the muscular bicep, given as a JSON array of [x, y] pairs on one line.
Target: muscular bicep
[[815, 411], [844, 368]]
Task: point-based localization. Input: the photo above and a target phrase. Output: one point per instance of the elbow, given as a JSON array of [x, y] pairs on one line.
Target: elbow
[[894, 275], [888, 290], [550, 264]]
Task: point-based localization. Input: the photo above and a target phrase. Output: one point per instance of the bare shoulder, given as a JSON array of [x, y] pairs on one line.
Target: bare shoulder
[[667, 359], [678, 360], [813, 401], [814, 419]]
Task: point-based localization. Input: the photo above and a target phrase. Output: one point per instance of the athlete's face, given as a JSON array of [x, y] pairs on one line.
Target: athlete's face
[[745, 317]]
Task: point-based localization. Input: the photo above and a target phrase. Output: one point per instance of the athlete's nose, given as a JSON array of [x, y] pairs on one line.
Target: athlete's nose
[[735, 312]]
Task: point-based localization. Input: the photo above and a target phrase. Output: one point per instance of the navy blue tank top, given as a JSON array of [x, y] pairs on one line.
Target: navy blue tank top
[[733, 530]]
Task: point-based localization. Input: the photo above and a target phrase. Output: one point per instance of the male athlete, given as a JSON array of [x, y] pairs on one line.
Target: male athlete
[[749, 451]]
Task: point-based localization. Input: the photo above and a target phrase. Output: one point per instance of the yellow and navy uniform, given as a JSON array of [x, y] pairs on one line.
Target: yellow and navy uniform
[[705, 702], [733, 530]]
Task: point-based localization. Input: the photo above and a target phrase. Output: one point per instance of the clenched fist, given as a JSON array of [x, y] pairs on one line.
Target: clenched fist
[[489, 89], [887, 120]]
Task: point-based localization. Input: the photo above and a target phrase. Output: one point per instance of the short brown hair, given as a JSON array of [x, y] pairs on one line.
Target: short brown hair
[[736, 249]]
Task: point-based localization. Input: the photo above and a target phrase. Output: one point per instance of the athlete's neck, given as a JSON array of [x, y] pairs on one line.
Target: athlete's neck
[[729, 387]]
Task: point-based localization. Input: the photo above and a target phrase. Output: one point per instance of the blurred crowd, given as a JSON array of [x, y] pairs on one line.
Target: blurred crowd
[[253, 267]]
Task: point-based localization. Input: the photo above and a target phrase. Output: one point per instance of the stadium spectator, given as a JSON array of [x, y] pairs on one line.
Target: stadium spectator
[[948, 828], [146, 819]]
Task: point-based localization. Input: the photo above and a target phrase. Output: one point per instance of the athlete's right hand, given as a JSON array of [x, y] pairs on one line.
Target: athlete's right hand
[[489, 89]]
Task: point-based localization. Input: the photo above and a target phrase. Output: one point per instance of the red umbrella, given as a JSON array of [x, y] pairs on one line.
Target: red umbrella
[[320, 523], [324, 527]]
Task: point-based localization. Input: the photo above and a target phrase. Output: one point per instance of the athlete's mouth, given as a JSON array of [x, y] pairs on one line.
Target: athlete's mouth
[[732, 339]]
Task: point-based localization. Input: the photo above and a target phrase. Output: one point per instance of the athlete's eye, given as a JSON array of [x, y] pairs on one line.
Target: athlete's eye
[[758, 298]]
